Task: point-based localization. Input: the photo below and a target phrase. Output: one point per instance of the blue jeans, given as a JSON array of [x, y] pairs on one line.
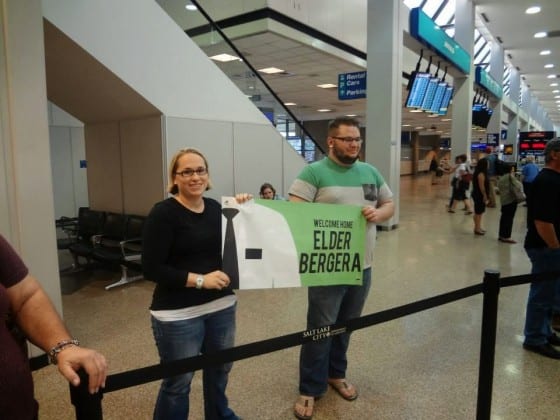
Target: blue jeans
[[543, 296], [326, 358], [181, 339]]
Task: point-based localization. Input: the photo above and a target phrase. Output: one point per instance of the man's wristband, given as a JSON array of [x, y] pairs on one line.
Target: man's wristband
[[53, 353]]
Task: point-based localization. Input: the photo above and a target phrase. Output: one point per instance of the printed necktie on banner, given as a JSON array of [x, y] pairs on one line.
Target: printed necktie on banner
[[229, 259]]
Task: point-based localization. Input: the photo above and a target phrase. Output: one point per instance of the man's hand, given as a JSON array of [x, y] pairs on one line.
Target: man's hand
[[72, 358]]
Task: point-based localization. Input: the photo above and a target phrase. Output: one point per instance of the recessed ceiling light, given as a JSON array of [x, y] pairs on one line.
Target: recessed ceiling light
[[551, 76], [406, 125], [290, 103], [190, 7], [324, 110], [545, 52], [416, 110], [532, 10], [327, 86], [446, 119], [548, 66], [224, 58], [271, 70], [433, 115], [556, 91], [419, 128], [540, 35], [351, 115], [554, 84], [557, 97]]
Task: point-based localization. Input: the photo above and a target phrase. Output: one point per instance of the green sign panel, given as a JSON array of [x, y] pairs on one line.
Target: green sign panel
[[428, 32], [482, 78]]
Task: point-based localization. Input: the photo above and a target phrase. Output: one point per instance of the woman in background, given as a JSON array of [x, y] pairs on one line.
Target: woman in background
[[268, 192], [508, 201], [193, 309], [481, 187]]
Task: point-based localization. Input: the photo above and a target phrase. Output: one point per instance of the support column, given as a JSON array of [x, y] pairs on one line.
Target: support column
[[26, 195], [461, 126], [497, 73], [384, 94]]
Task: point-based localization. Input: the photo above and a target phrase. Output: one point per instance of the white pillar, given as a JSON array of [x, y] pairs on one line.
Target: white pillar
[[497, 73], [384, 91], [26, 197], [462, 101]]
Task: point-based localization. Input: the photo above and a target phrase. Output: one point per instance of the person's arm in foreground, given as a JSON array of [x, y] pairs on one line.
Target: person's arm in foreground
[[37, 317], [382, 212], [547, 233]]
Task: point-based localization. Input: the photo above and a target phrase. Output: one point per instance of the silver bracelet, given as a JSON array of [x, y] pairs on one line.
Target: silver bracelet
[[61, 345]]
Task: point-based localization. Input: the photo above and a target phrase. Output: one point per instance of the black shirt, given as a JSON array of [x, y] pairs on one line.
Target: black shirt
[[177, 241], [544, 205]]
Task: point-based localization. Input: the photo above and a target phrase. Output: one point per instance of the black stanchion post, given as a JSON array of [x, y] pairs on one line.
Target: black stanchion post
[[491, 288], [88, 406]]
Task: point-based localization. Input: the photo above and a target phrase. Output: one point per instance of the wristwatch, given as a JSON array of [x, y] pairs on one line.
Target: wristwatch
[[199, 281]]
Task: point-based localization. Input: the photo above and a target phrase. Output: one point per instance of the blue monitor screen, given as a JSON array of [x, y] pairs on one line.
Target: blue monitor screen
[[438, 97], [418, 89], [446, 100], [430, 94]]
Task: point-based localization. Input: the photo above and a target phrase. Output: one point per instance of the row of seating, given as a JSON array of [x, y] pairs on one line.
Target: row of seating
[[106, 239]]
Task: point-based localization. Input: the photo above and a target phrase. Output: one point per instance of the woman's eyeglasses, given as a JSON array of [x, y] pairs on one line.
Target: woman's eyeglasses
[[187, 173]]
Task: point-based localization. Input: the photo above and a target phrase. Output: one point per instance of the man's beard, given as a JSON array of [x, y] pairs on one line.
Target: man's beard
[[343, 158]]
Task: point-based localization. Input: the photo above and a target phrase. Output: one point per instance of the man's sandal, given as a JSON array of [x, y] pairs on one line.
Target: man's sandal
[[345, 389], [303, 408]]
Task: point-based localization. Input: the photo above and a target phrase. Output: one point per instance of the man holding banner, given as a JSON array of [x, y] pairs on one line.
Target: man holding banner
[[337, 179]]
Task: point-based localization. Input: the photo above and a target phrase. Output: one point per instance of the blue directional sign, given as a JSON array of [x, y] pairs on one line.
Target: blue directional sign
[[352, 85]]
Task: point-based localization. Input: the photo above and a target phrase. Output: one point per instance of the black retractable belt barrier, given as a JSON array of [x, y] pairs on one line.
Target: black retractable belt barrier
[[491, 288], [88, 407]]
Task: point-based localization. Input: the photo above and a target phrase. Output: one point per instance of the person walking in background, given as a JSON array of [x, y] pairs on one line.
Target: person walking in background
[[542, 244], [481, 185], [193, 309], [338, 179], [508, 201], [528, 174], [26, 305], [492, 174], [432, 157], [462, 183]]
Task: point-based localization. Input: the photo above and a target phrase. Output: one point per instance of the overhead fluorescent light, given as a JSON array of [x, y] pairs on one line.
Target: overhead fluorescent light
[[540, 35], [271, 70], [351, 115], [556, 91], [419, 128], [545, 52], [290, 103], [446, 119], [548, 66], [532, 10], [406, 125], [324, 110], [554, 84], [416, 110], [327, 86], [551, 76], [190, 7], [224, 58]]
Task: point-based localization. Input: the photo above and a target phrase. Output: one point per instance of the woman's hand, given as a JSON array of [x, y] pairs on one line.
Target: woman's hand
[[216, 280], [243, 197]]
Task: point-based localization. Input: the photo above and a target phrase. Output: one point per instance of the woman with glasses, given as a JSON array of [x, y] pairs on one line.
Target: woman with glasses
[[193, 307]]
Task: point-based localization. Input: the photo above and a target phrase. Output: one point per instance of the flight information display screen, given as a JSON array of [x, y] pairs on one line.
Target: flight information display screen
[[438, 97], [417, 90], [446, 100], [430, 94]]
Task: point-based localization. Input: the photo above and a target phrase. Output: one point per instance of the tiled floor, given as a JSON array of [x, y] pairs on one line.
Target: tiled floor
[[423, 366]]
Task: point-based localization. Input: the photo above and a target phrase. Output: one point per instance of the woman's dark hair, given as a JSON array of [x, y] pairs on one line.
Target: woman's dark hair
[[481, 166], [265, 186]]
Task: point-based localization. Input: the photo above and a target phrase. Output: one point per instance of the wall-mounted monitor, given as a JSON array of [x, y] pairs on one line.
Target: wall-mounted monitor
[[446, 100], [481, 115], [418, 84], [430, 94], [438, 97]]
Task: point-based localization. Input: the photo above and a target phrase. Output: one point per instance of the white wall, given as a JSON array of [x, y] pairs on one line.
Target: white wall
[[142, 45], [67, 146], [201, 106]]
